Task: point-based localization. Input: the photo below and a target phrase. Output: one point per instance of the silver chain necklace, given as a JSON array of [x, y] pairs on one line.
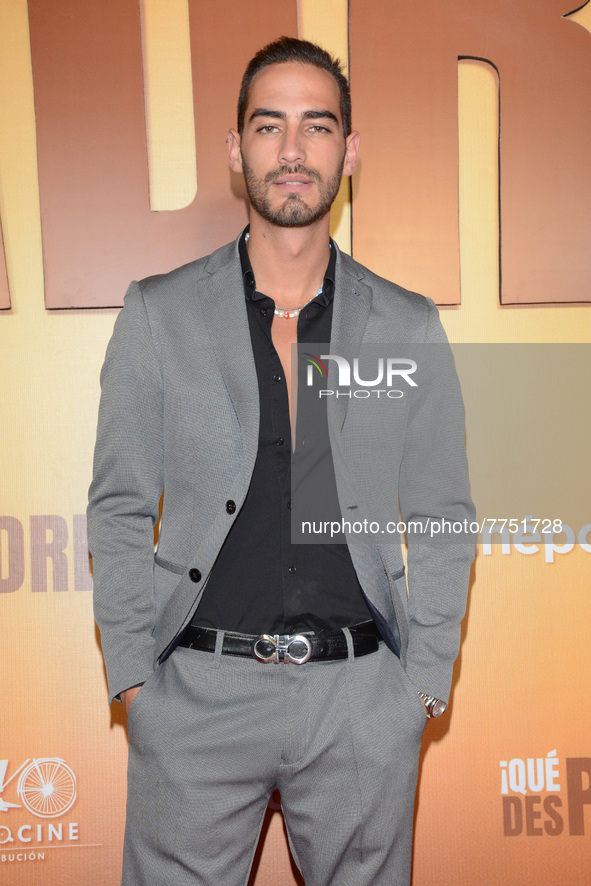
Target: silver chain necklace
[[290, 313]]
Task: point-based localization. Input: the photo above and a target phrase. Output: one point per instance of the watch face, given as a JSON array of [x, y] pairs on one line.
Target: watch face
[[438, 708]]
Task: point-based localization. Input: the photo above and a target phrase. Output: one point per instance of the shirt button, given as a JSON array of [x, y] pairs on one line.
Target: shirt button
[[231, 506], [263, 312], [276, 378], [292, 569], [194, 574], [279, 441], [289, 505]]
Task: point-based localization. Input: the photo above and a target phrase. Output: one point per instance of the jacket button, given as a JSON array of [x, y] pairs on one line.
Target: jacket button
[[230, 506], [194, 574]]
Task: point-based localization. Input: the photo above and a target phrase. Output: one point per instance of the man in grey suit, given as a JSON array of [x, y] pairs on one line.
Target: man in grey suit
[[246, 662]]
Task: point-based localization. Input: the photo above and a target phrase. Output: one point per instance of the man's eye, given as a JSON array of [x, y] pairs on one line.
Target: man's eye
[[318, 127], [268, 127]]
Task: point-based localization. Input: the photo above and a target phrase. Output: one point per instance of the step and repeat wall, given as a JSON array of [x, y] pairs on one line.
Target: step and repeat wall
[[474, 188]]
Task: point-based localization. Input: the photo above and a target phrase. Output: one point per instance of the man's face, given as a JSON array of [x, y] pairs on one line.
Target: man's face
[[292, 151]]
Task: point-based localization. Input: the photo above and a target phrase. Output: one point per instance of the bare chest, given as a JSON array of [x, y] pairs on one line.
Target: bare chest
[[285, 334]]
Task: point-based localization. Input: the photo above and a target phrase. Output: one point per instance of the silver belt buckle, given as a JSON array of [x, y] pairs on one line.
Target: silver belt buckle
[[278, 648]]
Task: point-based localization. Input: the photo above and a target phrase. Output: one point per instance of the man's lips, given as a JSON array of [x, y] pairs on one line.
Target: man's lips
[[294, 188], [294, 184], [293, 180]]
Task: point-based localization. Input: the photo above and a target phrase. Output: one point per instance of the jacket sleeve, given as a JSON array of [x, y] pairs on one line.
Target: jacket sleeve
[[124, 496], [434, 486]]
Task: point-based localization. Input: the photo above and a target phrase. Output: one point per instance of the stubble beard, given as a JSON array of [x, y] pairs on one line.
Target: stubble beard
[[294, 212]]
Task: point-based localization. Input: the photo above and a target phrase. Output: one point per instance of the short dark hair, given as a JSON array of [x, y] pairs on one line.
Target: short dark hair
[[289, 49]]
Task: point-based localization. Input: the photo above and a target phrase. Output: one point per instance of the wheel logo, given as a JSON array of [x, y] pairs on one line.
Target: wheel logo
[[47, 787]]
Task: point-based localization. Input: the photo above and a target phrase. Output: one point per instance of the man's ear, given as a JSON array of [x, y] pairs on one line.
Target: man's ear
[[234, 152], [351, 153]]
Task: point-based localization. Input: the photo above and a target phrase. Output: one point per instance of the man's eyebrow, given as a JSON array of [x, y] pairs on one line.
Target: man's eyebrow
[[320, 115], [281, 115], [265, 112]]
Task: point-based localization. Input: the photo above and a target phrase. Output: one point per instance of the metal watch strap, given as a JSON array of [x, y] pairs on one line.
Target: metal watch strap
[[434, 706]]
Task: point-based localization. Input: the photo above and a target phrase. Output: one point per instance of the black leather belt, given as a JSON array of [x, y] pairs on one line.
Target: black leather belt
[[286, 648]]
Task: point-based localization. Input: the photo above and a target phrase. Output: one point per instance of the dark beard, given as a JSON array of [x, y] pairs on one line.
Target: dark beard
[[293, 212]]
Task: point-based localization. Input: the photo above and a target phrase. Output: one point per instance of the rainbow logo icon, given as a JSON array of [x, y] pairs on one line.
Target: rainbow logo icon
[[315, 362]]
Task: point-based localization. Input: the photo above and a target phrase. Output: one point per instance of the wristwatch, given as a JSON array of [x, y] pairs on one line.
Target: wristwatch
[[434, 706]]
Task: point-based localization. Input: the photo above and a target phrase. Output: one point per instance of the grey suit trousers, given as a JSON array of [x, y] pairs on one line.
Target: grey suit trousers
[[211, 736]]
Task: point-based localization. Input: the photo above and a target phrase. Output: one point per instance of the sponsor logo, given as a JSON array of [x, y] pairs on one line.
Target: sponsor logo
[[44, 787], [541, 797], [52, 556], [530, 536]]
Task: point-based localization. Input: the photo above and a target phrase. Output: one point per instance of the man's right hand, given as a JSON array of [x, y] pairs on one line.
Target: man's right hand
[[127, 696]]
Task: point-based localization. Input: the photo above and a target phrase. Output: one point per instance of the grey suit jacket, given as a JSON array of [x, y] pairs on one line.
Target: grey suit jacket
[[179, 412]]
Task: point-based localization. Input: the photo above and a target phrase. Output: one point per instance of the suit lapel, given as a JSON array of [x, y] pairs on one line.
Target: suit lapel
[[222, 297], [221, 292], [352, 304]]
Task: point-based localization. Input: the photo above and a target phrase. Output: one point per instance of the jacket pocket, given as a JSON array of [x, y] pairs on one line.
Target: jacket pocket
[[170, 567], [398, 574]]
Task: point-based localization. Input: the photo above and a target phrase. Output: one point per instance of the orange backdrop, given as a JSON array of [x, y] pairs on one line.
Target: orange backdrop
[[90, 198]]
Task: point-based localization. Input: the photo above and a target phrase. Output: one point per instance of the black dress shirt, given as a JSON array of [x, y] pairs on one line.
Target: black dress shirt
[[260, 582]]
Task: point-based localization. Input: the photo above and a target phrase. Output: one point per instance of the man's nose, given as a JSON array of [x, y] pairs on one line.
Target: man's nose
[[292, 150]]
